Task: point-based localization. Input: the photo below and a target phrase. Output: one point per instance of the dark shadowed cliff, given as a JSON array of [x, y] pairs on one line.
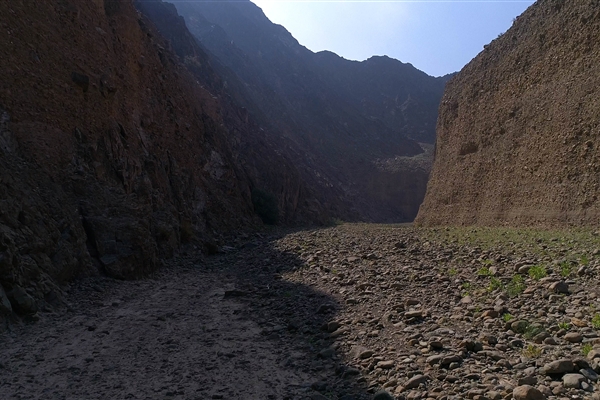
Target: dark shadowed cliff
[[267, 160], [111, 154], [343, 119], [519, 125]]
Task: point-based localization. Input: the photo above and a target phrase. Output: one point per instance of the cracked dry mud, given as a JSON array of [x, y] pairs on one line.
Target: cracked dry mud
[[349, 312]]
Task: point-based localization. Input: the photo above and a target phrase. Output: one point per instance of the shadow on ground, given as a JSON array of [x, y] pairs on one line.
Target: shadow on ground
[[226, 326], [298, 319]]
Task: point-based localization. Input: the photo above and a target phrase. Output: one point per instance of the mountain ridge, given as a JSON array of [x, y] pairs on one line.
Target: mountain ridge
[[295, 95]]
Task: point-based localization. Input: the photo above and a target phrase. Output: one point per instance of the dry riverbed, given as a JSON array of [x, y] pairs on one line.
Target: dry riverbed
[[350, 312]]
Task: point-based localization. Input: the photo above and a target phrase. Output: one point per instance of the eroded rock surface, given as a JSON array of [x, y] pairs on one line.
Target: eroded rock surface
[[517, 134]]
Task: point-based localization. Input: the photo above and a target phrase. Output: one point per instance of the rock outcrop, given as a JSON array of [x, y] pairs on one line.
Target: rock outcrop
[[518, 127], [343, 119]]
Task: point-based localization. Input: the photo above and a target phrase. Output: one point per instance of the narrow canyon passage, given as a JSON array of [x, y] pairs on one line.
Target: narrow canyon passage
[[348, 312]]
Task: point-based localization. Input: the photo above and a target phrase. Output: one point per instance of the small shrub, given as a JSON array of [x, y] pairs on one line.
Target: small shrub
[[265, 206], [495, 283], [596, 321], [507, 317], [537, 272], [586, 348], [516, 286], [484, 271], [564, 325], [565, 269], [584, 260], [531, 331], [532, 351], [452, 271]]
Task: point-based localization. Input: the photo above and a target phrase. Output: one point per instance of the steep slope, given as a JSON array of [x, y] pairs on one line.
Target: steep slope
[[111, 154], [519, 125], [299, 95], [265, 159]]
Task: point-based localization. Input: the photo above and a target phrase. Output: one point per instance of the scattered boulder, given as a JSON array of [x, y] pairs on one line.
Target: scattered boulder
[[383, 395], [527, 392], [21, 301], [558, 367], [415, 381], [559, 287], [573, 381]]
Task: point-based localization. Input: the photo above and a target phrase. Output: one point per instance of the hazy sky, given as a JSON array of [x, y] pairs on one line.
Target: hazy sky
[[437, 37]]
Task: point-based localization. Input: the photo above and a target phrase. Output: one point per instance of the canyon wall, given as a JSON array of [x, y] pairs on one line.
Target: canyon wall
[[112, 155], [517, 133]]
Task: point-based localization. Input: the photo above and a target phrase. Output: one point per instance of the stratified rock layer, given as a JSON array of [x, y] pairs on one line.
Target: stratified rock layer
[[517, 134]]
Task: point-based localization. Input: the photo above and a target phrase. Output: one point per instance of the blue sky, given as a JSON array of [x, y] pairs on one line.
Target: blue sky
[[438, 37]]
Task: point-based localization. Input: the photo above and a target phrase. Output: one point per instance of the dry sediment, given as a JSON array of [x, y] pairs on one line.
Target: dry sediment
[[349, 312]]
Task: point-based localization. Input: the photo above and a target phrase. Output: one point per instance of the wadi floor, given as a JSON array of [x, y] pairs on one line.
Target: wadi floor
[[349, 312]]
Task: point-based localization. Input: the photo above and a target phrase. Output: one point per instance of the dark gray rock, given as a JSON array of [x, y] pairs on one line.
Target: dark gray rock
[[5, 307], [558, 367], [573, 381], [383, 395], [21, 301]]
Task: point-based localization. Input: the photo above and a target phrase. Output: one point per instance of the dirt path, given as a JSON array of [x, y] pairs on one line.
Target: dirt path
[[175, 336], [204, 329]]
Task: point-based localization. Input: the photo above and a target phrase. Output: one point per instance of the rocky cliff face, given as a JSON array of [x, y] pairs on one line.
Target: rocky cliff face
[[266, 159], [342, 119], [519, 125], [111, 154]]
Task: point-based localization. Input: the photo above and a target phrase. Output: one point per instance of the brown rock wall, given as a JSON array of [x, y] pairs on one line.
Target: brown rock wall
[[517, 134], [111, 154]]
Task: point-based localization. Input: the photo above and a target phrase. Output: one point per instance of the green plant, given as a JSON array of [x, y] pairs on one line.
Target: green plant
[[495, 283], [565, 269], [265, 206], [564, 325], [586, 348], [507, 317], [452, 271], [466, 285], [532, 351], [537, 272], [584, 260], [516, 286], [484, 271], [532, 330], [596, 321]]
